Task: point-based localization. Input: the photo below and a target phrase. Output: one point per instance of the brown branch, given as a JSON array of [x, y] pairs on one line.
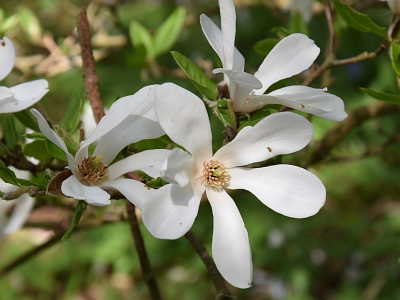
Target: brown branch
[[219, 283], [328, 13], [339, 131], [147, 272], [91, 80]]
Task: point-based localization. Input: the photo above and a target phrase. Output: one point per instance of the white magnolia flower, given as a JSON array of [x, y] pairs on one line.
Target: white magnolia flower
[[19, 208], [170, 211], [394, 5], [23, 95], [129, 120], [289, 57]]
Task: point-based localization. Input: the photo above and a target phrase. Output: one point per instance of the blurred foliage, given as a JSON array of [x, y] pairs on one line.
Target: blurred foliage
[[349, 250]]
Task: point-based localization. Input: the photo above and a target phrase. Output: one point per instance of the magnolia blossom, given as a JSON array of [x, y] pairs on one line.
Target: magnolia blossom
[[14, 213], [170, 211], [290, 56], [23, 95], [129, 120]]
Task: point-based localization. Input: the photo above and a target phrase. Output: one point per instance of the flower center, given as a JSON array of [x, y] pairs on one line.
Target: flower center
[[93, 170], [215, 173]]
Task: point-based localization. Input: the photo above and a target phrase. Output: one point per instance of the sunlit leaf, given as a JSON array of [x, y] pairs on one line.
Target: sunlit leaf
[[30, 24], [140, 36], [357, 20], [196, 75], [7, 175], [168, 32], [382, 96]]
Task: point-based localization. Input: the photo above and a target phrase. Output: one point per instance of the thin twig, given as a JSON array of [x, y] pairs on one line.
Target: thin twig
[[91, 80], [210, 265], [147, 272], [328, 13]]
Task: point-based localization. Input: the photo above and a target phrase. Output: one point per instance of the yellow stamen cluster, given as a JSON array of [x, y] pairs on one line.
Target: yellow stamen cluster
[[215, 174], [93, 170]]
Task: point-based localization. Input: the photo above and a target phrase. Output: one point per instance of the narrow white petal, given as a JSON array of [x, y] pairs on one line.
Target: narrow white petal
[[338, 114], [19, 215], [171, 210], [93, 195], [279, 133], [149, 161], [230, 245], [288, 190], [214, 37], [184, 118], [135, 191], [25, 95], [179, 168], [7, 57], [228, 27], [292, 55], [240, 86], [52, 136]]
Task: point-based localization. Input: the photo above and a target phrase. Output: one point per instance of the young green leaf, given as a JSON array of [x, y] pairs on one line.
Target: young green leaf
[[265, 46], [357, 20], [382, 96], [25, 118], [9, 131], [7, 175], [196, 75], [80, 208], [71, 117], [141, 36], [395, 55], [168, 32], [225, 114]]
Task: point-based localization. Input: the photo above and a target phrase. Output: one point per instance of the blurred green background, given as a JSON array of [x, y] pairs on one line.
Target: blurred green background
[[349, 250]]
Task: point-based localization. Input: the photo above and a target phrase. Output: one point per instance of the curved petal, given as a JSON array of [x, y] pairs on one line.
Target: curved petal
[[292, 55], [135, 191], [184, 118], [93, 195], [7, 57], [240, 86], [6, 96], [230, 245], [228, 27], [279, 133], [25, 95], [19, 214], [214, 37], [338, 114], [53, 137], [288, 190], [171, 210], [179, 168], [149, 161]]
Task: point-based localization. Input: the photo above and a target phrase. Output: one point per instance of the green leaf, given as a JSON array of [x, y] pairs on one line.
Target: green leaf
[[9, 131], [257, 116], [140, 36], [297, 24], [357, 20], [80, 208], [265, 46], [71, 118], [225, 113], [37, 149], [26, 118], [7, 175], [37, 136], [55, 152], [395, 55], [25, 182], [168, 32], [196, 75], [382, 96], [281, 31], [156, 183], [30, 24]]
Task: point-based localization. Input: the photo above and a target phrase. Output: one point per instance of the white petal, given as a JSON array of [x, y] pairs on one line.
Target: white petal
[[149, 161], [171, 210], [184, 118], [179, 168], [25, 95], [135, 191], [93, 195], [230, 245], [240, 86], [19, 215], [338, 114], [52, 136], [214, 37], [279, 133], [228, 27], [292, 55], [7, 57], [129, 120], [288, 190], [6, 96]]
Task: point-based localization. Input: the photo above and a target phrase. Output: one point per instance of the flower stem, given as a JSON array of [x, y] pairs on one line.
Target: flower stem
[[147, 272], [223, 292]]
